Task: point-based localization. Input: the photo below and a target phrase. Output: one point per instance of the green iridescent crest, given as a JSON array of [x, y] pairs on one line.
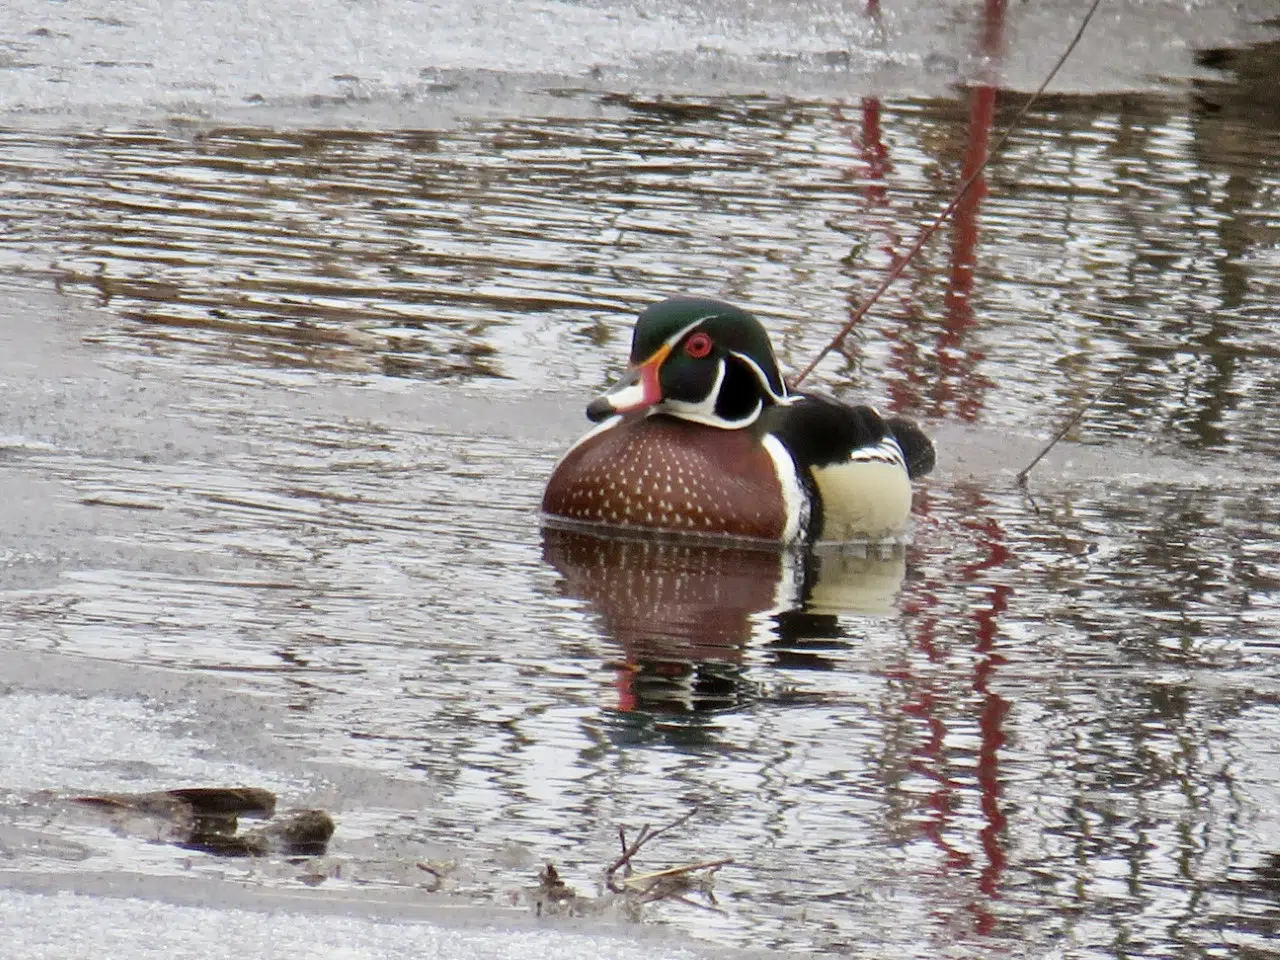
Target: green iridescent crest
[[730, 328]]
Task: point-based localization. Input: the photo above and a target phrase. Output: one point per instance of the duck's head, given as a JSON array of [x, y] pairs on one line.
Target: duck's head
[[696, 359]]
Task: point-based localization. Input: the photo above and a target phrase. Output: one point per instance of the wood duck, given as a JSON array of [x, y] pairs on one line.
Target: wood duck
[[701, 436]]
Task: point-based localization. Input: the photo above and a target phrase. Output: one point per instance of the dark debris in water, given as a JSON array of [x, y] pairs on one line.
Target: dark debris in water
[[1245, 80], [207, 819]]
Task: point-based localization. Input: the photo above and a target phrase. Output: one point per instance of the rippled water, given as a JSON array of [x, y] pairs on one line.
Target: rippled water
[[331, 370]]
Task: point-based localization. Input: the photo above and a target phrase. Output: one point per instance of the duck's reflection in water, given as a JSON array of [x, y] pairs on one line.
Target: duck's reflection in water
[[683, 613]]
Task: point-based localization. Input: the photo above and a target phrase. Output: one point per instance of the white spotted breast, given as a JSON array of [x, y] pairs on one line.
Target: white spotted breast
[[662, 473]]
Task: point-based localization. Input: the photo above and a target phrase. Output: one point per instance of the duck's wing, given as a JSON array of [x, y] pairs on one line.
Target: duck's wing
[[820, 431], [851, 464]]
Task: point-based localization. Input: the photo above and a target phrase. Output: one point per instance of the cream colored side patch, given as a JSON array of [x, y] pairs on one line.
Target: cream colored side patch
[[863, 499]]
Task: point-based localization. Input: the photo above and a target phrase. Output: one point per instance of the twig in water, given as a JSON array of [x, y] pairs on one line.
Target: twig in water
[[629, 850], [676, 871], [927, 234], [1075, 418], [674, 883]]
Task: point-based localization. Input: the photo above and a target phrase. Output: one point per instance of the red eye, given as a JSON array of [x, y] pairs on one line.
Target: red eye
[[698, 346]]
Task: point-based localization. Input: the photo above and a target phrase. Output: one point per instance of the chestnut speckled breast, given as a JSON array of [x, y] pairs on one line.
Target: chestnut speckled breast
[[701, 436], [664, 473]]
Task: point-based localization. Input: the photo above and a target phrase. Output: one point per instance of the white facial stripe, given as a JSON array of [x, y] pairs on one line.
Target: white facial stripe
[[704, 410], [761, 375], [676, 338]]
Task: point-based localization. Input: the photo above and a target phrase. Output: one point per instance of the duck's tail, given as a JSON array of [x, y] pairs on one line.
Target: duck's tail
[[917, 449]]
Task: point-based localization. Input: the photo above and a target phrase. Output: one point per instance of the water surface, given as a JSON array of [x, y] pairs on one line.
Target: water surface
[[282, 403]]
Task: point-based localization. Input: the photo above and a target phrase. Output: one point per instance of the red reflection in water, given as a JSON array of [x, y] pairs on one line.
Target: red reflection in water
[[933, 701], [994, 708], [868, 139], [950, 385], [942, 380], [875, 155], [961, 387], [959, 390]]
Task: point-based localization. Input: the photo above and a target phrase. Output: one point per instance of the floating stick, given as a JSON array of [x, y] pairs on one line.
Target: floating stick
[[1075, 418]]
